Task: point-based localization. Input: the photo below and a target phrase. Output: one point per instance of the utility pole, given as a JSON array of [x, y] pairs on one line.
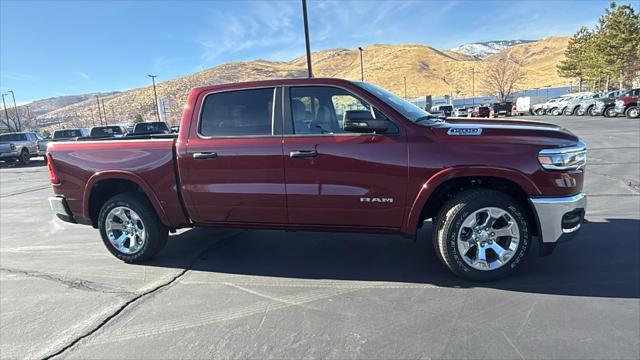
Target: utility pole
[[361, 64], [306, 37], [104, 110], [155, 94], [99, 113], [6, 113], [405, 86], [15, 107]]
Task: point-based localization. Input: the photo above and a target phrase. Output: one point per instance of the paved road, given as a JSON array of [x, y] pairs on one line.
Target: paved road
[[259, 294]]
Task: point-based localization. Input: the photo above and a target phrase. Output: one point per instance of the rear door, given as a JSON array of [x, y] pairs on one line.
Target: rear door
[[336, 177], [232, 170]]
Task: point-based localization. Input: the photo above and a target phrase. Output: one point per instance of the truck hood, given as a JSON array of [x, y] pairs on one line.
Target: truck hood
[[506, 131]]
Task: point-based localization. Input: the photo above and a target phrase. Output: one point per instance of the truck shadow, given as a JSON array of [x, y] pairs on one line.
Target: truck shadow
[[602, 261]]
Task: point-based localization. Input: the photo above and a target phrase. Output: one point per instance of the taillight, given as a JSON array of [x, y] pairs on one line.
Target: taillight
[[52, 173]]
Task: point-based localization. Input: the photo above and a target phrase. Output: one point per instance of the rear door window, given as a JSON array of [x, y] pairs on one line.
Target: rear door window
[[238, 113]]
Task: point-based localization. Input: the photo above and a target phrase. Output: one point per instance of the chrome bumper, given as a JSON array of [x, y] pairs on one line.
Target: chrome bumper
[[560, 217], [61, 209]]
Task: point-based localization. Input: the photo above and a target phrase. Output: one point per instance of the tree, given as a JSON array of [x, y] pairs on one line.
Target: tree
[[137, 119], [618, 43], [575, 64], [502, 76]]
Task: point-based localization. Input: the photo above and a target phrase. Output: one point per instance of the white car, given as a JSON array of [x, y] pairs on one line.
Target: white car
[[460, 112]]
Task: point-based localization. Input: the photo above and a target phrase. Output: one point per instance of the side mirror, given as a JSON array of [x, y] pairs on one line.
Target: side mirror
[[362, 121]]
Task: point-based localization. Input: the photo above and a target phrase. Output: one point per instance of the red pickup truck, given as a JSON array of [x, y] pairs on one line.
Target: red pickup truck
[[329, 155]]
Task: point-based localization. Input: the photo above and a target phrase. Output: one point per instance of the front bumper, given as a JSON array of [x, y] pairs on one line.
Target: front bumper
[[60, 207], [559, 218]]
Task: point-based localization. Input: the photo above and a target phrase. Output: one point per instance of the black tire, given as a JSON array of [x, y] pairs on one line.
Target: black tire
[[592, 111], [156, 233], [610, 112], [24, 158], [568, 112], [449, 221], [632, 112], [540, 112]]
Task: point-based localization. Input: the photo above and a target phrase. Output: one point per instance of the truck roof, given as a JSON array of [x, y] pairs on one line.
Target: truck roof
[[273, 82]]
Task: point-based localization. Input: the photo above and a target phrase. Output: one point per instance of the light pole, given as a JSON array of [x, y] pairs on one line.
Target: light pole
[[405, 86], [155, 94], [306, 37], [473, 87], [361, 64], [99, 113], [6, 113], [15, 107]]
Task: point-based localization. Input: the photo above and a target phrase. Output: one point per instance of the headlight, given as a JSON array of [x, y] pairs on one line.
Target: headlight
[[567, 158]]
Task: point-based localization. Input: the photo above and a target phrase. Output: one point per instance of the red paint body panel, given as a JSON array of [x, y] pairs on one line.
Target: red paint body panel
[[255, 183]]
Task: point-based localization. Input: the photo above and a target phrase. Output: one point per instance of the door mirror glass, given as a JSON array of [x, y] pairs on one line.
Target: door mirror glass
[[362, 121]]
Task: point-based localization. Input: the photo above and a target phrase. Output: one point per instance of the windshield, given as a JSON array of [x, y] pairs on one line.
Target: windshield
[[106, 131], [150, 127], [66, 134], [407, 109]]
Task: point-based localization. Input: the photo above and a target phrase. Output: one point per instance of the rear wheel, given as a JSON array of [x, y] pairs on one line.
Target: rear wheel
[[540, 112], [580, 111], [556, 112], [24, 158], [610, 112], [569, 112], [592, 111], [632, 112], [130, 228], [482, 234]]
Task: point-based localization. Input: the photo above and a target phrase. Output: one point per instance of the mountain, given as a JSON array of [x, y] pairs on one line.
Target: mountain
[[44, 106], [428, 71], [482, 50]]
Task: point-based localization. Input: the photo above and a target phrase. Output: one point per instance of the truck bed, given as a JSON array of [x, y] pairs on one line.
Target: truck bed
[[147, 161]]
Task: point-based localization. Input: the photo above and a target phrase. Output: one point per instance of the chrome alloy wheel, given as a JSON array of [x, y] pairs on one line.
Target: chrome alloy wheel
[[488, 238], [125, 230]]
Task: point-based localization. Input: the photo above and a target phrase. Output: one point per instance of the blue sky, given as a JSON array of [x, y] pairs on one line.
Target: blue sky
[[53, 48]]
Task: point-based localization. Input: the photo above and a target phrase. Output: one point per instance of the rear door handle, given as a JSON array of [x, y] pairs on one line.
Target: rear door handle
[[207, 155], [303, 154]]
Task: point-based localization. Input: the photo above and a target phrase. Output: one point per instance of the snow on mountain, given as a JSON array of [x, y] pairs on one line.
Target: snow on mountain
[[483, 50]]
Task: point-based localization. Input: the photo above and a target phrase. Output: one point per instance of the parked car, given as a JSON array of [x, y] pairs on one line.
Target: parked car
[[558, 106], [502, 108], [447, 110], [574, 103], [481, 111], [20, 146], [606, 106], [152, 127], [588, 106], [227, 167], [627, 104], [527, 104], [108, 131], [460, 112], [69, 134]]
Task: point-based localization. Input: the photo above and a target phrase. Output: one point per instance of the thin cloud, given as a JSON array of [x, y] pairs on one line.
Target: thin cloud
[[85, 76], [9, 75]]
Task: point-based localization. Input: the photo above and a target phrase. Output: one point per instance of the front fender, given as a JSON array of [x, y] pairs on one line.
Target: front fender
[[411, 224], [122, 175]]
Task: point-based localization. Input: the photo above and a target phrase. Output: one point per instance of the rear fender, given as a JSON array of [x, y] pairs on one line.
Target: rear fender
[[411, 224], [123, 175]]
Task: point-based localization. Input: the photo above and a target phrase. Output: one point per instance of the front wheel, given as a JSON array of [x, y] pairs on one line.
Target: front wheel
[[482, 234], [633, 112], [556, 112], [580, 112], [540, 112], [130, 228], [568, 112]]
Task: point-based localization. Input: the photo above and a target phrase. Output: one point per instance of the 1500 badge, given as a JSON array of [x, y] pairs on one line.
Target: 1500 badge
[[462, 131]]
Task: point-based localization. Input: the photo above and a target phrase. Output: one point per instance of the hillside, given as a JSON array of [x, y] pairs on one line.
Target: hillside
[[427, 70], [483, 50]]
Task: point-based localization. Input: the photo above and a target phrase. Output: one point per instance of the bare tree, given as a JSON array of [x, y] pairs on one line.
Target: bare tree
[[502, 76]]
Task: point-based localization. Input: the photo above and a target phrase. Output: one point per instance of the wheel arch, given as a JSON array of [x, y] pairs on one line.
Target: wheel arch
[[104, 185], [451, 181]]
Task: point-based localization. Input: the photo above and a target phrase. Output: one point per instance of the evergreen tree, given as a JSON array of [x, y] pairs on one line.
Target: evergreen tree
[[574, 65]]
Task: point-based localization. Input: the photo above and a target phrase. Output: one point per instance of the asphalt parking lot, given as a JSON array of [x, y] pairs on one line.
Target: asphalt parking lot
[[270, 294]]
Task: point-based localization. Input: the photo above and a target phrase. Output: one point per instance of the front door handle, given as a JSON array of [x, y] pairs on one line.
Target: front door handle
[[207, 155], [303, 154]]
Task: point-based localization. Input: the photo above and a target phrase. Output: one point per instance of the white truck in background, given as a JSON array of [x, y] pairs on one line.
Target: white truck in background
[[525, 104]]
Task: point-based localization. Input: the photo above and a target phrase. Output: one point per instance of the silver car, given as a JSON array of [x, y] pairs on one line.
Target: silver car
[[21, 146], [591, 106]]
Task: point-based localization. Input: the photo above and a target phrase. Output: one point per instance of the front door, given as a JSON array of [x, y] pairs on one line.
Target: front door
[[233, 168], [336, 177]]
